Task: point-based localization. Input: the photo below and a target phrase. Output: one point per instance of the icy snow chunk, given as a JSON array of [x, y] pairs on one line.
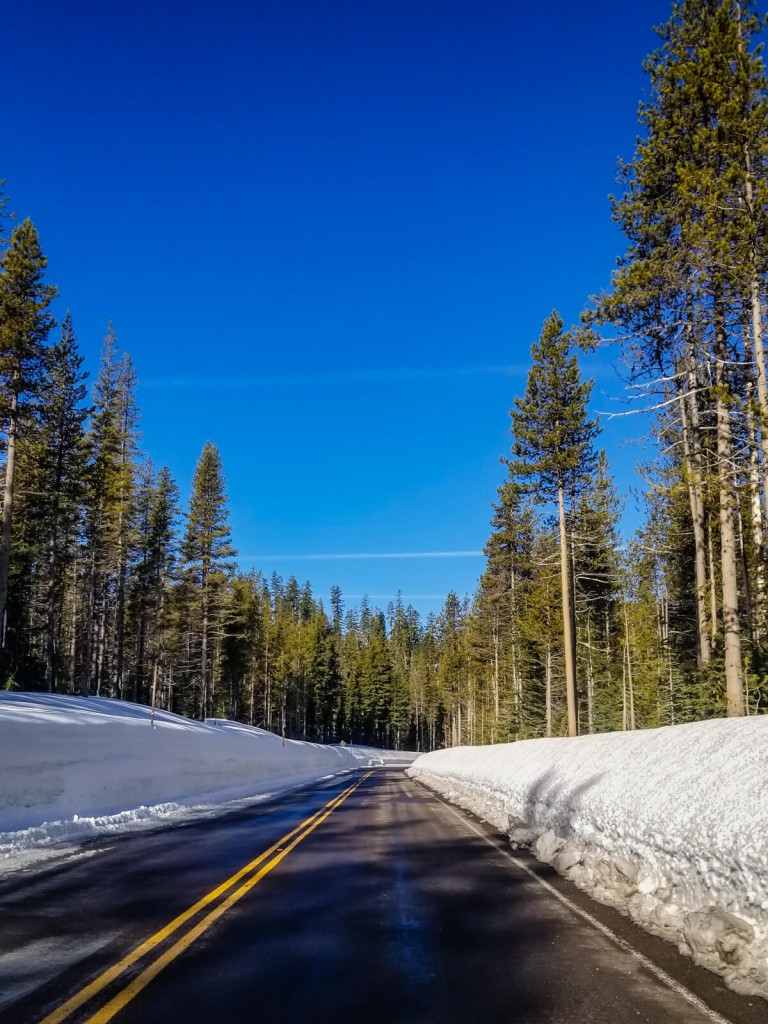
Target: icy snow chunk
[[520, 833], [520, 837], [667, 916], [664, 823], [547, 846], [567, 857], [713, 931]]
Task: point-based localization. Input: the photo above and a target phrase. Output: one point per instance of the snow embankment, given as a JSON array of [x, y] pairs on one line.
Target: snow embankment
[[670, 825], [72, 768]]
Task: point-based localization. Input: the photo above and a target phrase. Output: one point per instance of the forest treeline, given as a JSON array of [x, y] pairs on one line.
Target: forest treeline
[[107, 587]]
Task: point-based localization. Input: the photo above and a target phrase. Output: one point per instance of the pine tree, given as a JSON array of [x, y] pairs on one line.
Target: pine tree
[[63, 454], [113, 442], [453, 669], [502, 596], [596, 572], [552, 454], [152, 577], [24, 327], [207, 553], [687, 294], [128, 416], [541, 692]]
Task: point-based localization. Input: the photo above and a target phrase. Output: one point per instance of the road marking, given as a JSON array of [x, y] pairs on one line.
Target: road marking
[[280, 849], [657, 971]]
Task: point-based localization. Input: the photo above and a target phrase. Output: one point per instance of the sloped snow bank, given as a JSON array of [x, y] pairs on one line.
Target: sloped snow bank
[[72, 768], [670, 825]]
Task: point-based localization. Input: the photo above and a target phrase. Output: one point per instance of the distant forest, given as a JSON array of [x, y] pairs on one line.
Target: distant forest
[[106, 588]]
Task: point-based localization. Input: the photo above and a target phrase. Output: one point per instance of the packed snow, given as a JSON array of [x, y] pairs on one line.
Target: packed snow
[[75, 768], [670, 825]]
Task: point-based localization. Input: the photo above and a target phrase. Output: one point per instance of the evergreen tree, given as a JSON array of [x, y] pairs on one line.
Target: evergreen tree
[[152, 578], [553, 453], [687, 295], [113, 442], [502, 596], [207, 554], [63, 455], [596, 571], [24, 327]]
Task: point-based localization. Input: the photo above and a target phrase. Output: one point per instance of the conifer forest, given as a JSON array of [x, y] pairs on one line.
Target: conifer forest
[[109, 587]]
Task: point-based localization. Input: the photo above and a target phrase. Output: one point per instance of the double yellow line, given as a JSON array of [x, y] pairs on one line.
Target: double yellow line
[[265, 862]]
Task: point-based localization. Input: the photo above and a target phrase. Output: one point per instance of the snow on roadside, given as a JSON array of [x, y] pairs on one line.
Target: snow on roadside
[[74, 768], [670, 825]]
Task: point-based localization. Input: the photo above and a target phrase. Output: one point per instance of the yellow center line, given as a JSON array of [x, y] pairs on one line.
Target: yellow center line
[[61, 1013], [140, 982]]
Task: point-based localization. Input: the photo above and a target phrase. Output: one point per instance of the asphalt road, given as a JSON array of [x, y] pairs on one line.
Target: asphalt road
[[364, 899]]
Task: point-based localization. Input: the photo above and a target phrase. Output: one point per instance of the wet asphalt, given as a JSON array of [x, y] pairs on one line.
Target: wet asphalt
[[395, 908]]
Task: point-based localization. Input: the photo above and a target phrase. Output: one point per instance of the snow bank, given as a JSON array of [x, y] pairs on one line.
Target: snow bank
[[76, 767], [670, 825]]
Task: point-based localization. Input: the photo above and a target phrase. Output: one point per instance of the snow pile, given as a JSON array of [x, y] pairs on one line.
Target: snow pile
[[77, 767], [670, 825]]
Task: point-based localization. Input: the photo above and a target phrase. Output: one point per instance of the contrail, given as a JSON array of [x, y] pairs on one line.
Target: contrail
[[392, 597], [300, 380], [348, 556]]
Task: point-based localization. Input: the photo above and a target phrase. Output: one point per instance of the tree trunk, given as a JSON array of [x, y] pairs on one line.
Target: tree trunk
[[757, 321], [8, 496], [90, 622], [101, 641], [762, 390], [748, 609], [120, 623], [629, 685], [712, 586], [496, 664], [692, 456], [52, 614], [590, 678], [140, 671], [757, 621], [50, 624], [569, 639], [204, 653], [73, 626], [734, 683]]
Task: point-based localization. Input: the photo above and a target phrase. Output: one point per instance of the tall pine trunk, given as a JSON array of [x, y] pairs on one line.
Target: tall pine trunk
[[590, 677], [495, 676], [122, 571], [90, 626], [693, 466], [734, 683], [51, 613], [52, 602], [548, 691], [204, 652], [754, 435], [756, 311], [8, 495], [569, 638]]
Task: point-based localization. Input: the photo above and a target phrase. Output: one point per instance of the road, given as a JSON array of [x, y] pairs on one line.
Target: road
[[363, 898]]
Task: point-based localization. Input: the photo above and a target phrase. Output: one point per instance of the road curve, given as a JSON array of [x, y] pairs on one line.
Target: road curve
[[366, 898]]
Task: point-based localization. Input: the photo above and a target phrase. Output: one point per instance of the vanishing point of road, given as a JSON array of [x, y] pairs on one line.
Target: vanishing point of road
[[363, 898]]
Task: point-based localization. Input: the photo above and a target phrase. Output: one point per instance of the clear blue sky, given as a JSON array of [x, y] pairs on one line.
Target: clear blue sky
[[327, 233]]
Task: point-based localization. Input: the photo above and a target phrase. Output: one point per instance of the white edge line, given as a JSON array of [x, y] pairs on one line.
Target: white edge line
[[659, 972]]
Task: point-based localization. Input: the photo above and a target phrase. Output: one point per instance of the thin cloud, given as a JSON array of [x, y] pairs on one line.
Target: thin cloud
[[393, 597], [350, 556], [331, 379]]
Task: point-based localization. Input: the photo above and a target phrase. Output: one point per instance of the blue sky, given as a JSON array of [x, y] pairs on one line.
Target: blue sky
[[328, 233]]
